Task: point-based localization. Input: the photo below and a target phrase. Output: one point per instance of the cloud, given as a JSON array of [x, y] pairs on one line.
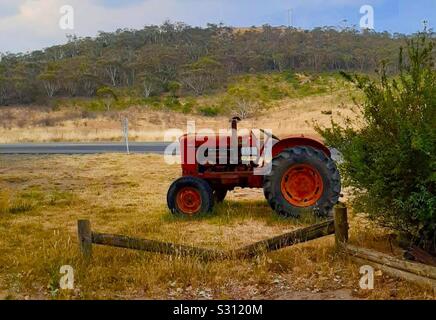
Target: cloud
[[8, 8], [116, 3], [31, 23], [34, 24]]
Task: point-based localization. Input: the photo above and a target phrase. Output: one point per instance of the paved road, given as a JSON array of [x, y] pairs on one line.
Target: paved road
[[93, 148], [82, 148]]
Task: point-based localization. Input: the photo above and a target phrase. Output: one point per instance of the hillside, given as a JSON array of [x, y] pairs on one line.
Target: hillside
[[188, 60], [270, 101]]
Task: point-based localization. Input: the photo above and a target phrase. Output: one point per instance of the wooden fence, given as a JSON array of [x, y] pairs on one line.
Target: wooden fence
[[410, 271], [87, 238]]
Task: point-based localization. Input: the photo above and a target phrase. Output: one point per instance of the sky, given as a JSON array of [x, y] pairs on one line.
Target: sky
[[27, 25]]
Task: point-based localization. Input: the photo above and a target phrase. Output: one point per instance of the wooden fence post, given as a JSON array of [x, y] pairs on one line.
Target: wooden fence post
[[85, 237], [341, 225]]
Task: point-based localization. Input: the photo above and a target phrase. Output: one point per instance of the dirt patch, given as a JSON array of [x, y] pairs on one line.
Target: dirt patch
[[341, 294]]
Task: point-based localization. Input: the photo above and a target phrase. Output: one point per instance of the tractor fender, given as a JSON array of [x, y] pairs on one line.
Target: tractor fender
[[299, 140]]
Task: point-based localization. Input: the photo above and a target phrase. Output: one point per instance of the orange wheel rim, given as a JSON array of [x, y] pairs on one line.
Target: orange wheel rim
[[188, 200], [302, 185]]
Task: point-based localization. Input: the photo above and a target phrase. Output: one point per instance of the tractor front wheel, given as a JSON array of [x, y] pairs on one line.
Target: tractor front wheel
[[302, 178], [190, 196]]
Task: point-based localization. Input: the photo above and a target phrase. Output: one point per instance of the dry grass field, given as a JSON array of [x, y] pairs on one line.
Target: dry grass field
[[41, 124], [41, 198]]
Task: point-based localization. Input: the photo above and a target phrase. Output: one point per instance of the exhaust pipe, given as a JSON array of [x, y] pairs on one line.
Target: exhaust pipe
[[234, 143]]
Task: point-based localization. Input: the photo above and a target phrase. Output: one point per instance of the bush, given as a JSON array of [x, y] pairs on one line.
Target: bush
[[189, 105], [95, 106], [390, 160], [209, 111], [172, 103], [108, 96], [173, 88]]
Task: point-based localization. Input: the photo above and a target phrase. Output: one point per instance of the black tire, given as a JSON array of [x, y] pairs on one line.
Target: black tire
[[316, 159], [202, 187], [219, 195]]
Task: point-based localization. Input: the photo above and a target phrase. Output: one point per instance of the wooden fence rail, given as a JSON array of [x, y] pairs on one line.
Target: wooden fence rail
[[119, 241], [287, 239], [87, 237]]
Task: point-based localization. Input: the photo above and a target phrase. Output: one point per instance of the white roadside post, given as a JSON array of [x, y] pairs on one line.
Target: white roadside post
[[126, 133]]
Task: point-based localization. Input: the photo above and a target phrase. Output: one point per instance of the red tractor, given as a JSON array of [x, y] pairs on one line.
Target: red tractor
[[302, 174]]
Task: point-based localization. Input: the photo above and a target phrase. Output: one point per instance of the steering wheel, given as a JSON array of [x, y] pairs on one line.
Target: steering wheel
[[269, 134]]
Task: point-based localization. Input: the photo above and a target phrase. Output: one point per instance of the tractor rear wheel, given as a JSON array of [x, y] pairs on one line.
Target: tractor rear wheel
[[190, 196], [302, 178], [219, 195]]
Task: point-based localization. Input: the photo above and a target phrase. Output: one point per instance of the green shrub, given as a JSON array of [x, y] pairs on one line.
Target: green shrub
[[95, 105], [276, 93], [209, 111], [189, 105], [391, 160], [155, 105], [289, 76], [172, 103], [186, 108], [107, 96], [173, 88]]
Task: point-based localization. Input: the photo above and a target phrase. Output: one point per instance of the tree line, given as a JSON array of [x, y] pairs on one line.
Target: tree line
[[178, 57]]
